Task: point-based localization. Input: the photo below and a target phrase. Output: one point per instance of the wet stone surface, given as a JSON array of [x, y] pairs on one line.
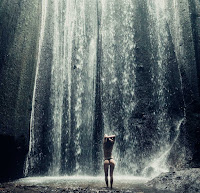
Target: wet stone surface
[[75, 185], [40, 189], [185, 181]]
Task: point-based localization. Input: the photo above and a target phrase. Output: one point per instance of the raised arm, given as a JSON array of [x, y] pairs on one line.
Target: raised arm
[[111, 136], [105, 138]]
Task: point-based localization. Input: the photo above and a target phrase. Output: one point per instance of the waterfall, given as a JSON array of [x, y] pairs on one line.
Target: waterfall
[[71, 93], [105, 67], [33, 134], [157, 10], [118, 77]]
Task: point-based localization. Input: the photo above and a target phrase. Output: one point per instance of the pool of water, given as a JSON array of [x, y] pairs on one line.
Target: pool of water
[[120, 182], [85, 184]]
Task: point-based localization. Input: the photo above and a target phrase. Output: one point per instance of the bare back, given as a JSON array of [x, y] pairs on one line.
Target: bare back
[[108, 142], [108, 147]]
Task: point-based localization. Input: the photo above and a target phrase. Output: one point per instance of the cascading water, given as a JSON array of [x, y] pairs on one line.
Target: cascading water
[[157, 11], [71, 95], [108, 72], [160, 34], [118, 77], [32, 158]]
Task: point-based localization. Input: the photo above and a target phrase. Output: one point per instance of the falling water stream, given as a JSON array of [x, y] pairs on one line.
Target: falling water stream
[[107, 73]]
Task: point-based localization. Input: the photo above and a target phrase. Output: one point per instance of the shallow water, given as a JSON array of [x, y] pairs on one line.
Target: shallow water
[[120, 182], [84, 184]]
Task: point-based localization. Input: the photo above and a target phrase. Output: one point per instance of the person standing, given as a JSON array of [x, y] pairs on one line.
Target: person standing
[[109, 163]]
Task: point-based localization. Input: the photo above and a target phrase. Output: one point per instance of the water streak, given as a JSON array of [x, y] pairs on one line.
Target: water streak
[[159, 163], [33, 136]]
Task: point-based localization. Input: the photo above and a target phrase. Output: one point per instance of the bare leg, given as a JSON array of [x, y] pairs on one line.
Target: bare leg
[[112, 167], [106, 164]]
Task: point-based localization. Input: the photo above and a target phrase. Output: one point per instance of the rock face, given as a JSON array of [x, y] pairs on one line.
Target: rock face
[[13, 152], [185, 181], [188, 144], [193, 108], [130, 103], [19, 31]]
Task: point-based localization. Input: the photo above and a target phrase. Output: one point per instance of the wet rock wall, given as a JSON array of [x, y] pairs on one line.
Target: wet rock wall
[[19, 32], [188, 144]]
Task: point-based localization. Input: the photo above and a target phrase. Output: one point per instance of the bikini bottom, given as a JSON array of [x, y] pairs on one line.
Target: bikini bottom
[[108, 159]]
